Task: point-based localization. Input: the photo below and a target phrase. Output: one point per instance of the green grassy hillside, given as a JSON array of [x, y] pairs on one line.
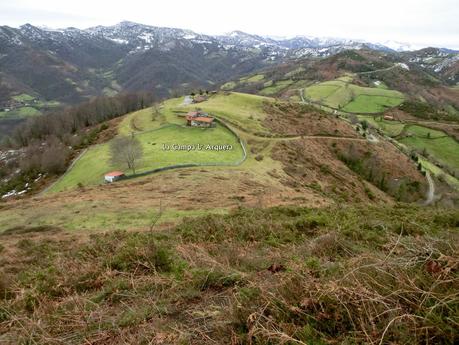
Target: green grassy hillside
[[391, 128], [243, 110], [435, 144], [444, 149], [91, 167], [167, 127], [31, 106], [276, 87]]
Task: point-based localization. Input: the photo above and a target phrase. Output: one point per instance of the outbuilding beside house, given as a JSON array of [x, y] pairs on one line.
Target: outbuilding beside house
[[389, 118], [114, 176], [199, 99]]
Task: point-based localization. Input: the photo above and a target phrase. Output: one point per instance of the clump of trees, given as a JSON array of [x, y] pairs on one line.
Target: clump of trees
[[126, 152], [46, 157]]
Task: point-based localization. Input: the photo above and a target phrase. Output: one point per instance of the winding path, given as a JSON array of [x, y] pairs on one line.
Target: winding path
[[379, 70]]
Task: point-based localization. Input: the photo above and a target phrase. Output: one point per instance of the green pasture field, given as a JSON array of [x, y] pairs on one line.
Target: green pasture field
[[391, 128], [445, 149], [91, 167], [243, 110], [341, 94], [421, 131], [372, 104], [451, 180]]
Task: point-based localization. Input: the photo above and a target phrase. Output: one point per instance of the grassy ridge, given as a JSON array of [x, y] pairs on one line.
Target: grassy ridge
[[262, 276], [150, 118]]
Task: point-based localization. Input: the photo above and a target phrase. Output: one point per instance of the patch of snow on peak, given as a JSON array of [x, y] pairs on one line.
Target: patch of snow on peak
[[398, 46], [403, 65], [119, 40], [147, 37]]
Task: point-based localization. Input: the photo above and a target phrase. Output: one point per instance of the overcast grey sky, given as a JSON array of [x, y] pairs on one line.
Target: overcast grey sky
[[419, 22]]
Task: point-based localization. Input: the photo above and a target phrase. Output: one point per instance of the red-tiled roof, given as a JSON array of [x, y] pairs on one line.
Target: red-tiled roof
[[114, 174], [192, 114], [203, 119]]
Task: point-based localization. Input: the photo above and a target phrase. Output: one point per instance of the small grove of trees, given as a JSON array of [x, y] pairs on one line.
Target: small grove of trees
[[126, 152], [47, 157]]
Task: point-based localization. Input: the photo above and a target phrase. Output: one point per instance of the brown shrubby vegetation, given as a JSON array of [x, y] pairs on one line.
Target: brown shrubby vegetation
[[285, 275]]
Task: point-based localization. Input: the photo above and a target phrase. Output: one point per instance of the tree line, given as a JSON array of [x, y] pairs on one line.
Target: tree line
[[70, 121]]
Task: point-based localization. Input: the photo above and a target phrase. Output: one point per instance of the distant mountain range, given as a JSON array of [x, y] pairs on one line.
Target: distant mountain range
[[69, 65]]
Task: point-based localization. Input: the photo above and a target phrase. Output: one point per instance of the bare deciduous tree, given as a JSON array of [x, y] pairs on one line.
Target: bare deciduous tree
[[126, 151], [155, 111]]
